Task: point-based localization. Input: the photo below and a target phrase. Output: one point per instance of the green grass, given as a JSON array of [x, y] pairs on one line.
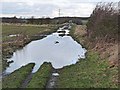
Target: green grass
[[29, 30], [15, 79], [91, 72], [40, 78]]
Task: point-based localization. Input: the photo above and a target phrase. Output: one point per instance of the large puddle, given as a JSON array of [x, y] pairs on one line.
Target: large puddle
[[58, 48]]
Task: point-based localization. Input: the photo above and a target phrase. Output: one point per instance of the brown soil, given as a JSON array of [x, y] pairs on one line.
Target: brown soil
[[52, 82]]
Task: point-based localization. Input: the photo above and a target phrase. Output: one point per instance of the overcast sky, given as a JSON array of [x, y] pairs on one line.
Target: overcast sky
[[48, 8]]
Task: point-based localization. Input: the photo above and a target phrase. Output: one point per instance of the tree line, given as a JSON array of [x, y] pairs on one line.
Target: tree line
[[47, 20]]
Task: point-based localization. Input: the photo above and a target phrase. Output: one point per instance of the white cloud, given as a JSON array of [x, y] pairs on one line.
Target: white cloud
[[59, 1], [79, 9], [18, 15], [50, 8]]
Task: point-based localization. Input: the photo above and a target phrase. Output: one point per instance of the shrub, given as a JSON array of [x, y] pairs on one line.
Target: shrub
[[103, 23]]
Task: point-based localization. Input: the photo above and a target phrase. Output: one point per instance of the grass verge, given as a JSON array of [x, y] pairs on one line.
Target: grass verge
[[29, 30], [40, 78], [15, 79], [91, 72]]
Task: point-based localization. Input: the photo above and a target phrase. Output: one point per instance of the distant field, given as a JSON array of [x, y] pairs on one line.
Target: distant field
[[30, 30], [84, 22]]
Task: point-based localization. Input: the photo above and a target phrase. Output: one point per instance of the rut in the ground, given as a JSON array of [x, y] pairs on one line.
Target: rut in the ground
[[27, 80], [53, 79]]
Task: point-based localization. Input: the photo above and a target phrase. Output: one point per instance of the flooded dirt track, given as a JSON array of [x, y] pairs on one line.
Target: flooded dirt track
[[58, 48]]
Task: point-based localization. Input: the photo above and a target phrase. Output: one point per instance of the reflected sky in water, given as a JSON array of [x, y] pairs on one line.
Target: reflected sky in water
[[65, 52]]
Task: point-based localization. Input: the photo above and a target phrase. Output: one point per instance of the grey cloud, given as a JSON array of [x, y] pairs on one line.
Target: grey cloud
[[23, 8], [43, 9]]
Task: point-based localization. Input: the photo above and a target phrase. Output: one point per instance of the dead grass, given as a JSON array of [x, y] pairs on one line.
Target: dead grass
[[95, 71], [106, 50], [81, 29]]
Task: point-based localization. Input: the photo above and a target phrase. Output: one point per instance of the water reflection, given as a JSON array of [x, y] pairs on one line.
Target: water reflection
[[60, 51]]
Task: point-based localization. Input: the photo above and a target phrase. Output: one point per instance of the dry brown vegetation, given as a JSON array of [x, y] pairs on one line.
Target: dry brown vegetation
[[103, 23], [97, 70], [101, 35], [102, 30]]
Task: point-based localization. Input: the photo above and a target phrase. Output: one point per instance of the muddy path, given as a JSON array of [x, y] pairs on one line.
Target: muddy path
[[26, 81], [52, 82]]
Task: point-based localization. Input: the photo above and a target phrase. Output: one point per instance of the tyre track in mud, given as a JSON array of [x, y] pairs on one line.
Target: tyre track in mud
[[52, 82]]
